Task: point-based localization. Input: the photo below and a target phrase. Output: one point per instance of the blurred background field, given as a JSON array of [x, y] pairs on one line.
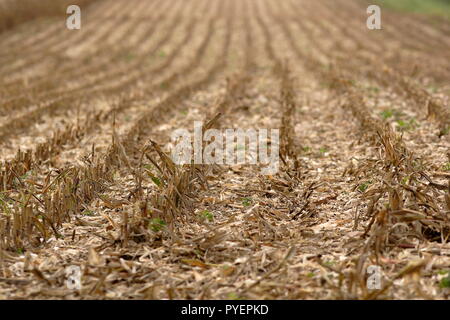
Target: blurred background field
[[16, 12], [431, 7]]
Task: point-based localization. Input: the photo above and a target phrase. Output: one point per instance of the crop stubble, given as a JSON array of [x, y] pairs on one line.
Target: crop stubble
[[101, 192]]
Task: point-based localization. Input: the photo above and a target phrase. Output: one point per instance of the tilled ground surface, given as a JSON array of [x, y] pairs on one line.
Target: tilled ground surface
[[86, 119]]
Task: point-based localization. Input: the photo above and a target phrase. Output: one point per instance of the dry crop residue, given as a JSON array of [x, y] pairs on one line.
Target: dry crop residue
[[86, 177]]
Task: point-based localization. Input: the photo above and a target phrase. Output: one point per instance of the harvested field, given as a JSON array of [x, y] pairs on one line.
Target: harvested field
[[87, 179]]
